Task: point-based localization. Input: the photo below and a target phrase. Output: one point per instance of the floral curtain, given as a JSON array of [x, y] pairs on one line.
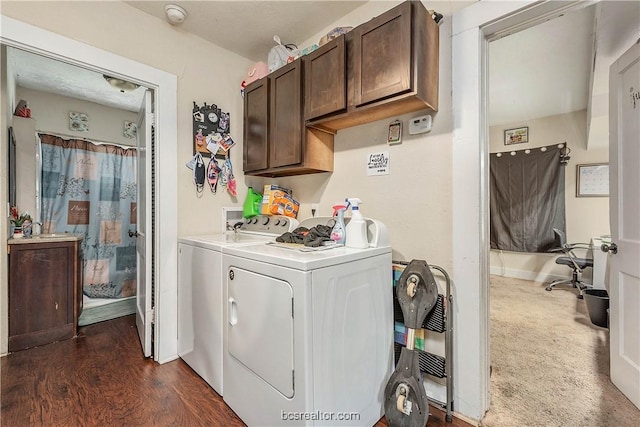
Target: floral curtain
[[90, 189]]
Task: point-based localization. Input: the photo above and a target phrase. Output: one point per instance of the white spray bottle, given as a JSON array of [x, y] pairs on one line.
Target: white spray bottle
[[339, 233], [357, 227]]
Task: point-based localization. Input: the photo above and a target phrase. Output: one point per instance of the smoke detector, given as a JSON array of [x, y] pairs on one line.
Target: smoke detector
[[175, 14]]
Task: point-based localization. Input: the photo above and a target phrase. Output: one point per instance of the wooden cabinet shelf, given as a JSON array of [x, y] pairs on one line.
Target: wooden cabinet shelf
[[45, 292], [392, 68], [275, 141]]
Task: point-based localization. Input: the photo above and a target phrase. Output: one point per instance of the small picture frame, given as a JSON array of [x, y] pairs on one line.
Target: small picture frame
[[592, 180], [516, 135], [130, 129], [78, 122]]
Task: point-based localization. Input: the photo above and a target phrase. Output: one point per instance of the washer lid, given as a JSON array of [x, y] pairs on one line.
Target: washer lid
[[217, 241], [304, 261]]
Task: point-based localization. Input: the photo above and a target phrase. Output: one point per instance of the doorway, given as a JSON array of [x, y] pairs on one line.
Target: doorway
[[478, 22], [80, 117], [32, 39], [539, 83]]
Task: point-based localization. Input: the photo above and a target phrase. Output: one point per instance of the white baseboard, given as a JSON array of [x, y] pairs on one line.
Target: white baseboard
[[536, 276]]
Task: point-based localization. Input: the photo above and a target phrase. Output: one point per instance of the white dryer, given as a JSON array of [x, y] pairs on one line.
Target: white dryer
[[200, 292], [308, 335]]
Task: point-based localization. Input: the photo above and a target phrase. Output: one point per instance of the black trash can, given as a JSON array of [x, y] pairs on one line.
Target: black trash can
[[597, 305]]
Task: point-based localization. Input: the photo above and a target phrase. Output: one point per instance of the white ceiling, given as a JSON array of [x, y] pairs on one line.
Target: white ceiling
[[247, 27], [543, 70]]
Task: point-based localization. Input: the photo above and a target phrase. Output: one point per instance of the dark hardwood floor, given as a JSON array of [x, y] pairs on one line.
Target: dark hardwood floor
[[101, 378]]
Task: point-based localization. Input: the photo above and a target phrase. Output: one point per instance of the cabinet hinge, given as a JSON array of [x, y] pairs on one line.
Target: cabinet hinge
[[8, 249]]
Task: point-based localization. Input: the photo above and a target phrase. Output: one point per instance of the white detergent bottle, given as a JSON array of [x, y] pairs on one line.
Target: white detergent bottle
[[357, 227]]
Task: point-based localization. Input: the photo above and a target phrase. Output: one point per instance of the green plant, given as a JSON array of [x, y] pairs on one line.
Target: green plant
[[18, 220]]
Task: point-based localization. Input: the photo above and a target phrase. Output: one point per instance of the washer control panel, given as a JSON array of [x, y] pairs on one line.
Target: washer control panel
[[268, 224]]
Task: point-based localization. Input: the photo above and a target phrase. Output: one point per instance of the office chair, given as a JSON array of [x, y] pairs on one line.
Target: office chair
[[570, 259]]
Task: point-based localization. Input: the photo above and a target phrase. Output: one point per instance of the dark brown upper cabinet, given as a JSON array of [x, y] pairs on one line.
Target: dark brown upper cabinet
[[256, 122], [392, 68], [325, 85], [383, 68], [276, 141], [285, 99]]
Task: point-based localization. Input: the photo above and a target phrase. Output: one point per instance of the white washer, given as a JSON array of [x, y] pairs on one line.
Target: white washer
[[308, 336], [200, 290]]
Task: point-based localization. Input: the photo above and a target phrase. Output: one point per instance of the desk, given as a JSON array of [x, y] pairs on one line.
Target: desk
[[599, 271]]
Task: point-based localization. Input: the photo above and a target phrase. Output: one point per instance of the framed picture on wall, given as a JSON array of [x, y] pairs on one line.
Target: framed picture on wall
[[78, 121], [516, 135], [592, 180], [130, 129]]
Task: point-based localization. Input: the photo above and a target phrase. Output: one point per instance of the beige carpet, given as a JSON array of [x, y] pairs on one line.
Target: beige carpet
[[550, 365]]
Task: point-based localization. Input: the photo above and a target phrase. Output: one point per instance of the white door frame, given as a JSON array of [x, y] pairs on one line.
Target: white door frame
[[37, 40], [473, 27]]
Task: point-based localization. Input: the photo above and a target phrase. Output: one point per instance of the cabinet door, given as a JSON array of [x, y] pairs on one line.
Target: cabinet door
[[285, 116], [40, 292], [325, 86], [382, 56], [256, 125]]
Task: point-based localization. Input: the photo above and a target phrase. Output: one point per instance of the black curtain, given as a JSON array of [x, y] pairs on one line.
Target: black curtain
[[527, 199]]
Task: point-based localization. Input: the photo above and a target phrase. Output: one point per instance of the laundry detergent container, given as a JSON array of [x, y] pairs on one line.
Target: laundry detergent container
[[597, 305]]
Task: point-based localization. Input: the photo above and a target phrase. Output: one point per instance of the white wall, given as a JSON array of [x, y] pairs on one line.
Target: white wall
[[586, 217], [51, 113]]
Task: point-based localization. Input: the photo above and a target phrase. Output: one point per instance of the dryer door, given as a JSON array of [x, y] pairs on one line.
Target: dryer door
[[260, 325]]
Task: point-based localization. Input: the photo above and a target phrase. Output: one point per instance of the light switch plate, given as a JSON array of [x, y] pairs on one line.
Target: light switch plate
[[420, 124]]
